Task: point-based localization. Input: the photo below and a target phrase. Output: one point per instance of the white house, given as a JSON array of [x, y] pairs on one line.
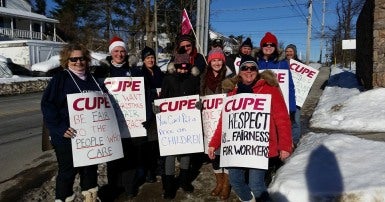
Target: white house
[[25, 37]]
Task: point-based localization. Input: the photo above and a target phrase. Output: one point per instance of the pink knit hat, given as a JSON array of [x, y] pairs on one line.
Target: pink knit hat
[[216, 53], [116, 41]]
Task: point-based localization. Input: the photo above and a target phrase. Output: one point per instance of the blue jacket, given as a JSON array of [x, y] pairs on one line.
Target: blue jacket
[[281, 64], [54, 103]]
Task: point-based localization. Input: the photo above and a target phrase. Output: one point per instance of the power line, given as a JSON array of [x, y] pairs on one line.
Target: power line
[[260, 19]]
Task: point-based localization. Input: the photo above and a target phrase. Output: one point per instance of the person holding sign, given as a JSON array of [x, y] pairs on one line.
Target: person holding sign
[[280, 144], [233, 60], [291, 53], [268, 58], [215, 72], [182, 79], [75, 78], [186, 44], [153, 78], [122, 174]]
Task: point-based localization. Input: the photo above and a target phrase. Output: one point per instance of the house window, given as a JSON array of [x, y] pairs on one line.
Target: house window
[[2, 3]]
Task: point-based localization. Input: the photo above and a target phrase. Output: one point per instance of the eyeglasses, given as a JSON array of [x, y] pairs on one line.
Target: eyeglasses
[[75, 59], [186, 46], [251, 68], [268, 45]]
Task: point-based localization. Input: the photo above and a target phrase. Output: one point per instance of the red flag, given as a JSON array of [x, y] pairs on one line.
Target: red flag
[[186, 24]]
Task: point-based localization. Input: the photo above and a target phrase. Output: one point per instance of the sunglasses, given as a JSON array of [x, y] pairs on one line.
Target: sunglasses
[[251, 68], [75, 59], [268, 45], [186, 46]]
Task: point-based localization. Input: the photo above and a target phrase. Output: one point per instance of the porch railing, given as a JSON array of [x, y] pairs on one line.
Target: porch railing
[[26, 34]]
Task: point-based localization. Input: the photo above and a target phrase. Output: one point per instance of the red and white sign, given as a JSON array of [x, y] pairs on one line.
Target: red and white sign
[[245, 131], [179, 125], [303, 78], [211, 111], [129, 103], [98, 138]]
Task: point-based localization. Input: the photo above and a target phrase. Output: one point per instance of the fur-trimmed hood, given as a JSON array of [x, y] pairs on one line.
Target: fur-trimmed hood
[[267, 75], [171, 69]]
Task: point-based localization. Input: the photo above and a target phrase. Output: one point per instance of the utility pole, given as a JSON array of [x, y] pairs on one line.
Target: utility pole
[[322, 29], [156, 30], [309, 31]]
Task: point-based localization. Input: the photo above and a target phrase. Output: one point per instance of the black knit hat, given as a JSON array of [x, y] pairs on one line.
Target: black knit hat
[[248, 43], [248, 59], [147, 51], [292, 46]]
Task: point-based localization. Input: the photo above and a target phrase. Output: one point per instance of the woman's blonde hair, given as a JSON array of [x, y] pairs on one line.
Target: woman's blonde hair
[[65, 54]]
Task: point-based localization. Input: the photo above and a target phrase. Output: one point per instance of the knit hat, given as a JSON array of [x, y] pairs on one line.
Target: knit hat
[[248, 43], [186, 37], [116, 41], [247, 59], [292, 46], [269, 38], [147, 51], [216, 53], [217, 42]]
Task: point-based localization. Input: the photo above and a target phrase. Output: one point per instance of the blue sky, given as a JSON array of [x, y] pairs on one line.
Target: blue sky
[[253, 18]]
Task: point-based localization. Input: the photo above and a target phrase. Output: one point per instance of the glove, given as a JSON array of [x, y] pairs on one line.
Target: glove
[[146, 124], [199, 105], [155, 109], [292, 117]]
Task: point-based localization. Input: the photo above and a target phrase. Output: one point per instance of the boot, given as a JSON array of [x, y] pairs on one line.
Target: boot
[[185, 181], [68, 199], [169, 186], [251, 200], [94, 194], [217, 190], [225, 192], [87, 196], [90, 195]]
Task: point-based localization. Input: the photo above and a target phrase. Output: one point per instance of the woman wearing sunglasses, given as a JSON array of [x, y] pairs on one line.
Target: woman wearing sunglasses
[[186, 44], [76, 78], [280, 144]]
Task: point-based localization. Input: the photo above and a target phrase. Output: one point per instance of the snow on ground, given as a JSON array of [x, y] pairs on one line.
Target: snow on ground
[[338, 167], [335, 167]]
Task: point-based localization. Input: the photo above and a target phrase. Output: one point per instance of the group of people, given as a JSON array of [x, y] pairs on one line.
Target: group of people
[[188, 73]]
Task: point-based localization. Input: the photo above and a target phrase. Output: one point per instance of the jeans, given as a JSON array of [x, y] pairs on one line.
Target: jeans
[[296, 127], [241, 188]]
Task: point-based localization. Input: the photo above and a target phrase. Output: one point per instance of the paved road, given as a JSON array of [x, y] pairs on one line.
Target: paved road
[[20, 143]]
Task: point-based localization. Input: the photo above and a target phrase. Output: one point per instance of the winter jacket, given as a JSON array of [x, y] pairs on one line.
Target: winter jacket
[[54, 103], [282, 64], [280, 125], [107, 69], [175, 84], [151, 83]]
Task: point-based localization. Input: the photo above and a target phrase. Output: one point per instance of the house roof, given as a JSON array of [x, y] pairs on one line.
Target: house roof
[[25, 14]]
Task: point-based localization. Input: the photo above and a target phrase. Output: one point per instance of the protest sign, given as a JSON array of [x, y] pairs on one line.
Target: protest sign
[[97, 139], [179, 125], [303, 78], [245, 131], [283, 81], [129, 103], [211, 111]]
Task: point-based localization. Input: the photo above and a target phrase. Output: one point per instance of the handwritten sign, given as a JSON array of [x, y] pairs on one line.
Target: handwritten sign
[[303, 77], [245, 131], [129, 104], [98, 139], [179, 125], [283, 81], [211, 111]]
